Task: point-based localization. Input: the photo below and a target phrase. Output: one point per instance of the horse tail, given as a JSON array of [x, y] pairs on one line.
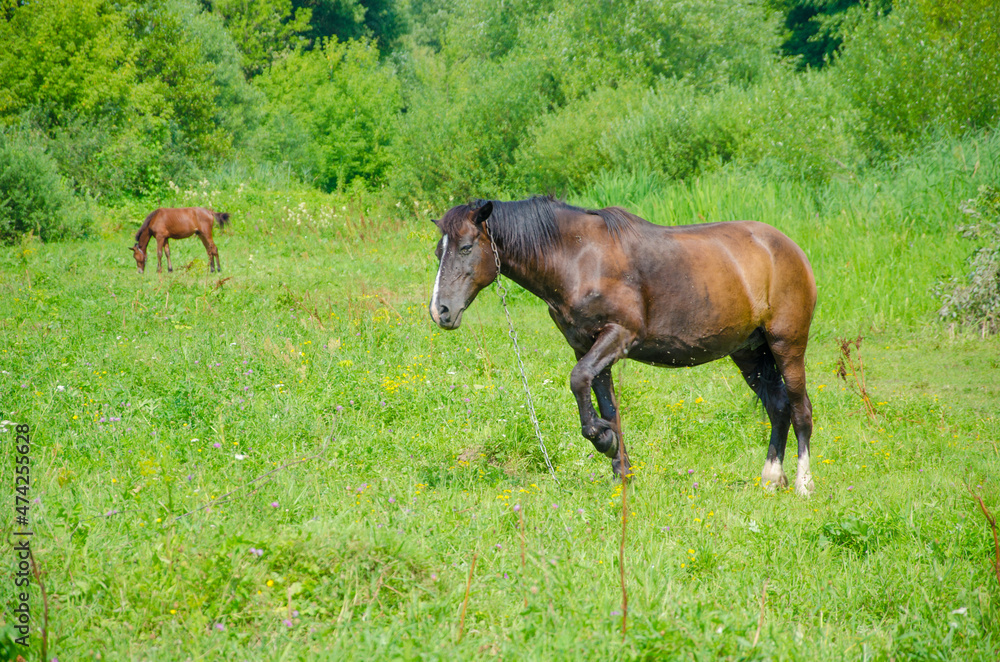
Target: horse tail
[[769, 385], [221, 218], [145, 224]]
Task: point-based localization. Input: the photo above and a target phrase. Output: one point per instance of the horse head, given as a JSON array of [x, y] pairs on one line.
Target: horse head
[[140, 258], [466, 262]]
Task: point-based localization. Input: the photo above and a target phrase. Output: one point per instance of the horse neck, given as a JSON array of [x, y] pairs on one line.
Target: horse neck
[[144, 236], [540, 278]]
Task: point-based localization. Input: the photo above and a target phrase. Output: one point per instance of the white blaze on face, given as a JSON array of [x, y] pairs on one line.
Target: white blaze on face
[[437, 283]]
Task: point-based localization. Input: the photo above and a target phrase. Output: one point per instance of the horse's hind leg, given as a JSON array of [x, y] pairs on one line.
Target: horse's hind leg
[[213, 252], [166, 249], [761, 373], [790, 358]]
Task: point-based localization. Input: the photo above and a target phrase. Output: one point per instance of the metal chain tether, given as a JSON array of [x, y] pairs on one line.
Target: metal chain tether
[[517, 351]]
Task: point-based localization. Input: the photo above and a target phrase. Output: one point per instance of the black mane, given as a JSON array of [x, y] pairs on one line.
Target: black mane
[[145, 225], [526, 229]]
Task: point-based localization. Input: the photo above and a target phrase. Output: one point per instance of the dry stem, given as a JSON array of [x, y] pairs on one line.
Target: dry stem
[[465, 602], [857, 371], [760, 621], [45, 605], [993, 525]]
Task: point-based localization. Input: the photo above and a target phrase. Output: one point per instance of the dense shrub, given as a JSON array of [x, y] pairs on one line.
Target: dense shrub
[[33, 196], [562, 149], [331, 114], [128, 94], [463, 126], [977, 302], [927, 65]]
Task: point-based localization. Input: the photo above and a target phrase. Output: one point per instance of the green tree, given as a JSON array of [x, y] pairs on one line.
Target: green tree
[[127, 94], [929, 66], [815, 28], [383, 21], [331, 113], [263, 29]]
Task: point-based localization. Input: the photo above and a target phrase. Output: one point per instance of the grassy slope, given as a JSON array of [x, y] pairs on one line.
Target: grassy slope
[[366, 548]]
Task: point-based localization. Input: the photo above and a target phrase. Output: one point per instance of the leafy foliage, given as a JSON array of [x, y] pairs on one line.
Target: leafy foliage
[[977, 301], [33, 197], [927, 66], [265, 29], [331, 114], [129, 95]]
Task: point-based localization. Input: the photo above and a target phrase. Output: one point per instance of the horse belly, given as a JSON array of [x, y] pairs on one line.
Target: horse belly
[[678, 352]]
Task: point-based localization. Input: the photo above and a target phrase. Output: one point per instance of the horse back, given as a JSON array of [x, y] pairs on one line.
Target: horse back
[[737, 274]]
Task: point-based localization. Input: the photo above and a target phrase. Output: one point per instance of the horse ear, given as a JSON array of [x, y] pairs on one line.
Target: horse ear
[[483, 213]]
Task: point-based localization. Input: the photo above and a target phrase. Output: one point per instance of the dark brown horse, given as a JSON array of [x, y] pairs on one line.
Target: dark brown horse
[[618, 286], [166, 223]]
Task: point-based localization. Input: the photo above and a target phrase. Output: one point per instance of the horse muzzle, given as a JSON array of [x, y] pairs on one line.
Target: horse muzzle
[[445, 318]]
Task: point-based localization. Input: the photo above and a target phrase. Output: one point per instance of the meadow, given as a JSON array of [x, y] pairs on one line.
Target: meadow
[[289, 460]]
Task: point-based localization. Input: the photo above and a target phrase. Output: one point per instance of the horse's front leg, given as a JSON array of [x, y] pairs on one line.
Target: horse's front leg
[[611, 345], [604, 391], [166, 249], [160, 244]]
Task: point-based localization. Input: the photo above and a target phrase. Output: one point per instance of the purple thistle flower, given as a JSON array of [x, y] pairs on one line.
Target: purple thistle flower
[[517, 507], [392, 499], [220, 627], [216, 445], [287, 622], [274, 504]]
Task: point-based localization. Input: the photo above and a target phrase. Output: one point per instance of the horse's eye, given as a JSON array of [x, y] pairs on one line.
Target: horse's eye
[[465, 250]]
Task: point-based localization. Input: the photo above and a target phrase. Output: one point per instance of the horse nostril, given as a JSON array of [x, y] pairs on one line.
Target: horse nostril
[[443, 310]]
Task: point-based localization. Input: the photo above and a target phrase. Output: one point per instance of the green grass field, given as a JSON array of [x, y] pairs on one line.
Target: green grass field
[[291, 461]]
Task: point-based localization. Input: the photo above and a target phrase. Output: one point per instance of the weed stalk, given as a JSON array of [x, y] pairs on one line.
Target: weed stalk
[[465, 602], [857, 370], [993, 525], [45, 604]]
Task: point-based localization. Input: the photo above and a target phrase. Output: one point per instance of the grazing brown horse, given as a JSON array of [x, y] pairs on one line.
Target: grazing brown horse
[[166, 223], [618, 286]]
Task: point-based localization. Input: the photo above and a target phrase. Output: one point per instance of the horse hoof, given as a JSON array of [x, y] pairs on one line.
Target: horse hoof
[[805, 487], [616, 468], [607, 443]]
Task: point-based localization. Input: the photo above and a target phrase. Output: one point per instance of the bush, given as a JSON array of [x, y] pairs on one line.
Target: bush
[[928, 64], [33, 196], [561, 151], [331, 114], [977, 303], [127, 94]]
